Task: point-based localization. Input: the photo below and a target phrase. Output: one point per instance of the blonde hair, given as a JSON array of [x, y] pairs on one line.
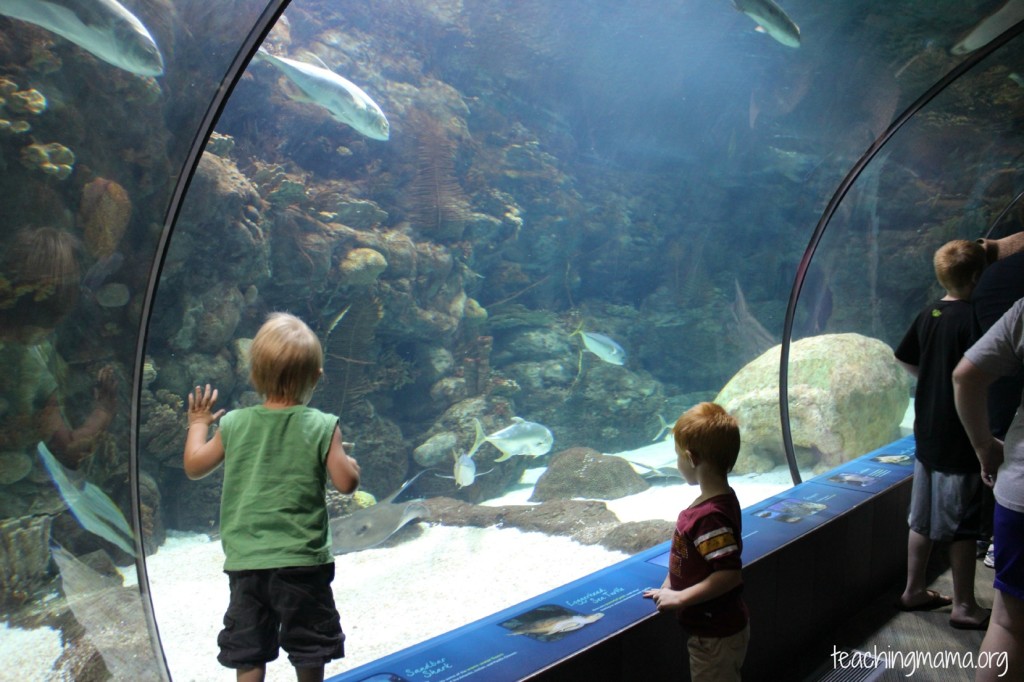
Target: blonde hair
[[958, 264], [39, 279], [285, 359], [711, 433]]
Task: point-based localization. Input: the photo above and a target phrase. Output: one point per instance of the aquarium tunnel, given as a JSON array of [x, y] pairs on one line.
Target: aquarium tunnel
[[571, 219]]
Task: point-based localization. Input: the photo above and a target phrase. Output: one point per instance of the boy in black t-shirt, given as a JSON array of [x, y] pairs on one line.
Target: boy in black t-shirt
[[946, 498]]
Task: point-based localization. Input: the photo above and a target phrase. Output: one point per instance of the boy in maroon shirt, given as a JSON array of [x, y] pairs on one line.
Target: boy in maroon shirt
[[704, 582]]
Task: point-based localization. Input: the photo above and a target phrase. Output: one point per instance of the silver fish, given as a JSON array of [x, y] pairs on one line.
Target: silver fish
[[772, 20], [603, 347], [343, 99], [520, 438], [373, 525], [103, 27], [989, 28]]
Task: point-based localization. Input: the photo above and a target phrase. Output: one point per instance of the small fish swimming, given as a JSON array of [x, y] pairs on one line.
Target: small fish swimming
[[772, 20], [989, 28], [602, 346], [464, 471], [102, 27], [373, 525], [344, 100], [520, 438], [558, 625]]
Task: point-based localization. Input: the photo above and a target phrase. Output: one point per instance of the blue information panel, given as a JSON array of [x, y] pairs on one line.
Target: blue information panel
[[531, 636]]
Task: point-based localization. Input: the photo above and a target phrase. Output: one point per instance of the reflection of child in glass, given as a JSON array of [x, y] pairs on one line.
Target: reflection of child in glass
[[273, 513], [946, 494], [704, 582], [39, 282]]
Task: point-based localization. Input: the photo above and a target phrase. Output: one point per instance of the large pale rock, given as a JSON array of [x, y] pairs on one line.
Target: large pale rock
[[847, 396]]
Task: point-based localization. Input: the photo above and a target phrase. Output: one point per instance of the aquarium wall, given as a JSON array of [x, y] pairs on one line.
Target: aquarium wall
[[528, 235]]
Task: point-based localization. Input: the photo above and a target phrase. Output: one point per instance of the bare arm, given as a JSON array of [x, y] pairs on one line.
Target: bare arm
[[911, 369], [715, 585], [70, 445], [970, 386], [343, 470], [202, 456]]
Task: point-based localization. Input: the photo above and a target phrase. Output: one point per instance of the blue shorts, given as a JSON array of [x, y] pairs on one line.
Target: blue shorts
[[291, 608], [1007, 536]]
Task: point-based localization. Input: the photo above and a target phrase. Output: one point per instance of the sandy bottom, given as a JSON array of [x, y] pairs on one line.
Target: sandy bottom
[[389, 598]]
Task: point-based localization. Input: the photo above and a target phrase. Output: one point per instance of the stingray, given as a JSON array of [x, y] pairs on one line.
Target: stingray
[[373, 525], [94, 510], [658, 473]]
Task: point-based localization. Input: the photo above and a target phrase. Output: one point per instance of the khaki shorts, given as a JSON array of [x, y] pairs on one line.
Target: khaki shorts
[[718, 659]]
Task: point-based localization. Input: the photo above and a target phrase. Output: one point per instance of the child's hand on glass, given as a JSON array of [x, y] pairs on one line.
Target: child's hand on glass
[[200, 406]]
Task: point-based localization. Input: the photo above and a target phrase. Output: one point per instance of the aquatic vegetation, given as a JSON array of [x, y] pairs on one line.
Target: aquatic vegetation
[[351, 354], [435, 201], [103, 214], [53, 159], [219, 144]]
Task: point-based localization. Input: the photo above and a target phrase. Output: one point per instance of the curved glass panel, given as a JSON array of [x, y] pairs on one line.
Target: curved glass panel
[[586, 215], [951, 172], [99, 106]]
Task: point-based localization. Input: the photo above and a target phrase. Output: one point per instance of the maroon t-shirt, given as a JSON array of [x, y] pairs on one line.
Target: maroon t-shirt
[[708, 539]]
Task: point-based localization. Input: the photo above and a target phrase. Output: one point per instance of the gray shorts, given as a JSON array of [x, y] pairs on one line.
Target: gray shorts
[[946, 507]]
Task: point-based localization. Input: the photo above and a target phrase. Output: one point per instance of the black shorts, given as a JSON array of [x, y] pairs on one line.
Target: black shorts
[[291, 608]]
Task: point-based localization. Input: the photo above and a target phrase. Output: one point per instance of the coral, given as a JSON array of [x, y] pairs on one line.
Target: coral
[[103, 214], [362, 266], [53, 159], [113, 295], [437, 203], [220, 145], [26, 102]]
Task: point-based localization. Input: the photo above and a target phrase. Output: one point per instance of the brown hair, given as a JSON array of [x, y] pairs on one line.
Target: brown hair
[[711, 433], [285, 359], [39, 278], [958, 264]]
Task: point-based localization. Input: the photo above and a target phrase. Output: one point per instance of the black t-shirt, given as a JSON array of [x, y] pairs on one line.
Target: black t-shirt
[[935, 343]]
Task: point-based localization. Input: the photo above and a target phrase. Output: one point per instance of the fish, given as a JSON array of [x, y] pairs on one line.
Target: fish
[[602, 346], [94, 510], [344, 100], [657, 473], [557, 625], [665, 426], [990, 28], [771, 20], [520, 438], [103, 28], [373, 525], [464, 472]]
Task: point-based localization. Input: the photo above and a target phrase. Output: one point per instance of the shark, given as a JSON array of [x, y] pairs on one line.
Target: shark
[[373, 525], [344, 100], [104, 28]]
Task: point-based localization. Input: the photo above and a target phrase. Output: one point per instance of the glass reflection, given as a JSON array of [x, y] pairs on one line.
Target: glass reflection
[[95, 124]]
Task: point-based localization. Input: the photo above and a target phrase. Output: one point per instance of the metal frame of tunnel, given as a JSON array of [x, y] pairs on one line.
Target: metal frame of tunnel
[[819, 230], [246, 50]]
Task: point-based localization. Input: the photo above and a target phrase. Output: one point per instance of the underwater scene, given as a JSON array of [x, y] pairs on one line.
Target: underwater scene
[[528, 234]]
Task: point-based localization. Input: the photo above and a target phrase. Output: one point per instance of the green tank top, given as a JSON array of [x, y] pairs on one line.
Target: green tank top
[[273, 509]]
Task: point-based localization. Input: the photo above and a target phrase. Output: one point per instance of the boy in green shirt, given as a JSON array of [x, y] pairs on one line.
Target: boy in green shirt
[[273, 517]]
